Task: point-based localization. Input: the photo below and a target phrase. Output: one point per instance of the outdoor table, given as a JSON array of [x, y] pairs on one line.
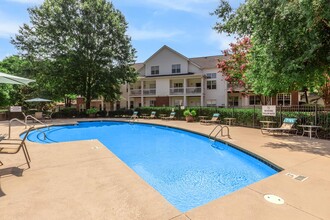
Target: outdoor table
[[267, 124], [144, 115], [162, 115], [229, 121], [310, 129]]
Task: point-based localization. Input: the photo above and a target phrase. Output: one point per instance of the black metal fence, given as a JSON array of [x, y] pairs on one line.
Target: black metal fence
[[306, 115], [252, 115]]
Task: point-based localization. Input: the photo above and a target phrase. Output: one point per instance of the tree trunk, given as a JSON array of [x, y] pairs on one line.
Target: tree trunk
[[326, 91]]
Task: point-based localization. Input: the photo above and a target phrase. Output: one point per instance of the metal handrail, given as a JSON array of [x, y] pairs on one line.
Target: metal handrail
[[30, 116], [15, 119], [220, 131]]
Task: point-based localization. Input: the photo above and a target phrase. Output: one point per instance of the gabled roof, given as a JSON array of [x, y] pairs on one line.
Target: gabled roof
[[208, 62], [138, 66], [170, 49]]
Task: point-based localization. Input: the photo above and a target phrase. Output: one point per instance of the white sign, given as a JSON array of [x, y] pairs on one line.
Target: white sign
[[269, 110], [15, 108]]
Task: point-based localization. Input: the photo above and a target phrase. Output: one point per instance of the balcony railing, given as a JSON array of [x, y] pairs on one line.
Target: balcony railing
[[149, 92], [135, 92], [176, 91], [193, 90]]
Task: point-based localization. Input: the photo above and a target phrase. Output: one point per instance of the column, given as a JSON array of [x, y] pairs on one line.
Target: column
[[184, 92], [128, 95], [202, 91], [142, 97]]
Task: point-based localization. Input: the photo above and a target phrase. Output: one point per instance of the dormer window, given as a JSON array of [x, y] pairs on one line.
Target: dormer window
[[154, 70], [176, 68]]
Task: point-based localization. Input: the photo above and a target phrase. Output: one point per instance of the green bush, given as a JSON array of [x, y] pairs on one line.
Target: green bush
[[91, 111], [188, 112]]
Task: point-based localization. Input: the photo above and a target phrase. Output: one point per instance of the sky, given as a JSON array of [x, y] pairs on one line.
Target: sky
[[184, 25]]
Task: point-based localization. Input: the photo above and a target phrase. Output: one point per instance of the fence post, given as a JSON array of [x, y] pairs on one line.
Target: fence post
[[254, 115], [281, 114], [315, 119]]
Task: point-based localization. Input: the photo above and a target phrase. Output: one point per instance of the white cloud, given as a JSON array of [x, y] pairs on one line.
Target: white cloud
[[148, 33], [221, 41], [27, 1], [202, 7]]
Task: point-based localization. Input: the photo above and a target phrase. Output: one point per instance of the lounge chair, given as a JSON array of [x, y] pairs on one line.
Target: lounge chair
[[151, 116], [134, 116], [171, 117], [286, 127], [13, 146], [214, 119]]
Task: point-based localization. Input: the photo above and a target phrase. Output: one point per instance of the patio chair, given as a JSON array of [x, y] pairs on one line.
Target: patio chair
[[13, 146], [134, 116], [286, 127], [171, 117], [151, 116], [213, 120], [48, 116]]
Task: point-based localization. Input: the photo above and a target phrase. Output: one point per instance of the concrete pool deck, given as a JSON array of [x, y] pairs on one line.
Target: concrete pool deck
[[84, 180]]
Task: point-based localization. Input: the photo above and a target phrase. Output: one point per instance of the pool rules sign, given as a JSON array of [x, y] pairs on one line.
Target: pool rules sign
[[269, 110]]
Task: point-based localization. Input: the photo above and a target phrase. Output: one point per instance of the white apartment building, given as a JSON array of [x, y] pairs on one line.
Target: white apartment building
[[168, 78]]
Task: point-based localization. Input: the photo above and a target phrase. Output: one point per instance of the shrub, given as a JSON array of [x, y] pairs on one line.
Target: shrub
[[91, 111], [189, 113]]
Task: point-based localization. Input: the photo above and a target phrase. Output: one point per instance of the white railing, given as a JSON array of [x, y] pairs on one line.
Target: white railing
[[193, 90], [135, 92], [176, 91], [149, 91]]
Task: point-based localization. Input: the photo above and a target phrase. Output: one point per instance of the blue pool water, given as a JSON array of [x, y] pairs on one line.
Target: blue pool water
[[188, 169]]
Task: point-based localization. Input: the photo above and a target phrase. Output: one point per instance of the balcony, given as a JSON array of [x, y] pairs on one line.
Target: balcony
[[149, 91], [135, 92], [193, 90], [176, 91]]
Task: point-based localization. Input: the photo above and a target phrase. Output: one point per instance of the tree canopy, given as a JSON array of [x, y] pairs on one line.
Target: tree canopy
[[78, 47], [290, 43], [16, 94]]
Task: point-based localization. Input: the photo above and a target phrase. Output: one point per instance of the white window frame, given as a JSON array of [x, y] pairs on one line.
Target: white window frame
[[211, 103], [283, 97], [230, 101], [213, 84], [154, 70], [176, 68], [254, 99], [211, 75]]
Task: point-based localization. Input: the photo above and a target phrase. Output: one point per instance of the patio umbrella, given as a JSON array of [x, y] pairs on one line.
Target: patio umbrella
[[11, 79], [38, 100]]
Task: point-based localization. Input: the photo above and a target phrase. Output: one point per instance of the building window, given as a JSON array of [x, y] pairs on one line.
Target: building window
[[233, 101], [152, 103], [254, 100], [284, 99], [211, 75], [176, 68], [211, 103], [154, 70], [211, 84], [178, 85]]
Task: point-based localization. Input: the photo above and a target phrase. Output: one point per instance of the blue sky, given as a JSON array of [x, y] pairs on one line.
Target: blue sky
[[184, 25]]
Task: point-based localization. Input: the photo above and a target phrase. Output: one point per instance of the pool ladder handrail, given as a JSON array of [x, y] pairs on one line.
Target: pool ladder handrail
[[26, 125], [220, 132], [37, 120]]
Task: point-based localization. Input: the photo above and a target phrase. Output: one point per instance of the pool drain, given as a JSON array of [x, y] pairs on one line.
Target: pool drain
[[274, 199]]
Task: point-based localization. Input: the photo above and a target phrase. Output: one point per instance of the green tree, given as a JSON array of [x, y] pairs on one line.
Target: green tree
[[79, 46], [291, 43], [15, 94]]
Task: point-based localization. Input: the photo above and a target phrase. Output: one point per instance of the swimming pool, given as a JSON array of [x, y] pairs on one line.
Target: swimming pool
[[188, 169]]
